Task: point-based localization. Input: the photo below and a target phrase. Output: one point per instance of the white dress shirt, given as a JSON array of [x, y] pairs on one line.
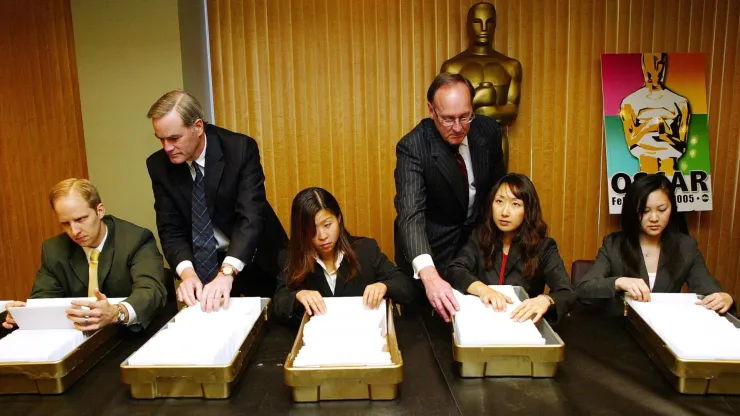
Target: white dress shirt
[[132, 318], [222, 242], [651, 277], [331, 277], [425, 260]]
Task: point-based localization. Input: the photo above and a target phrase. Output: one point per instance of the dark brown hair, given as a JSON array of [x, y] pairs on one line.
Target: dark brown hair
[[301, 253], [529, 234], [447, 78]]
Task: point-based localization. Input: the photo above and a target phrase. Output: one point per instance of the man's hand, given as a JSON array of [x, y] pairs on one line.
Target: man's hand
[[536, 307], [439, 293], [312, 301], [100, 314], [214, 291], [637, 288], [9, 321], [189, 290], [374, 294], [719, 302]]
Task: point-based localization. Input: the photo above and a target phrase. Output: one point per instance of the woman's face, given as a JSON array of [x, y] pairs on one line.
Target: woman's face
[[657, 212], [327, 232], [508, 210]]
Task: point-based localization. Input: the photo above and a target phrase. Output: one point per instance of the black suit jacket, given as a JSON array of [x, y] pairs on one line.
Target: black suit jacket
[[235, 195], [374, 267], [469, 267], [130, 267], [432, 194], [599, 281]]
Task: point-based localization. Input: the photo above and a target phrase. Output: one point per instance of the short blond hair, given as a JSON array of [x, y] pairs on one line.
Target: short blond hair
[[185, 104], [82, 187]]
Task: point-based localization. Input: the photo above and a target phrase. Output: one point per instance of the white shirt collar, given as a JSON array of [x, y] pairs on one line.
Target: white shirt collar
[[89, 250], [201, 160], [337, 262]]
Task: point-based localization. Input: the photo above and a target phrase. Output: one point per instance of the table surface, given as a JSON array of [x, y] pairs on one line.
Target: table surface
[[605, 373]]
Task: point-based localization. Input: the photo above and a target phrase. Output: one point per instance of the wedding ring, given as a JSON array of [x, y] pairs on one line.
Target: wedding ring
[[86, 321]]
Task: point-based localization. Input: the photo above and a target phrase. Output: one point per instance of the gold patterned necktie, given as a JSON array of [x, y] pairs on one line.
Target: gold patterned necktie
[[93, 282]]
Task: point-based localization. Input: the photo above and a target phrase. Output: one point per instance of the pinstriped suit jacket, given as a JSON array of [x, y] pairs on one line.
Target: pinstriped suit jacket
[[432, 194]]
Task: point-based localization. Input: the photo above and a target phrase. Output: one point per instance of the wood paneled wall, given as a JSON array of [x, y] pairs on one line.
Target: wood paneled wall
[[328, 87], [41, 139]]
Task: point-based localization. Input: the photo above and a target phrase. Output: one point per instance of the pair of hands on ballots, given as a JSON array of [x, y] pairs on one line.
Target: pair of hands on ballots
[[719, 302], [532, 308], [86, 314], [314, 303], [210, 296]]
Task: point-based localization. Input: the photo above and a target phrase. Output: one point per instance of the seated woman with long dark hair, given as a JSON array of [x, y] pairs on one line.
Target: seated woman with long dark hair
[[323, 260], [650, 254], [512, 248]]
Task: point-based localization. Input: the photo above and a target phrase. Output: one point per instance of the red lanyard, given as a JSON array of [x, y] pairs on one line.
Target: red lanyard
[[503, 268]]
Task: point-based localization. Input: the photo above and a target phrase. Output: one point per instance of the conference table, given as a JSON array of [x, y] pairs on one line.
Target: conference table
[[605, 373]]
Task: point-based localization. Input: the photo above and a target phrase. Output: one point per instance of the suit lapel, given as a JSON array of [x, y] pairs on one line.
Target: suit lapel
[[214, 167], [643, 271], [447, 165], [78, 262], [662, 279], [106, 257], [320, 278], [180, 175], [342, 275], [476, 147]]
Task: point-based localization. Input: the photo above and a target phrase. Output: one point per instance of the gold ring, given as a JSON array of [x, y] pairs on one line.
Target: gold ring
[[86, 321]]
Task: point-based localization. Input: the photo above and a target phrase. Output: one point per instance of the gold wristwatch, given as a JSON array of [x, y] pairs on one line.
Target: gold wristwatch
[[121, 314], [228, 270]]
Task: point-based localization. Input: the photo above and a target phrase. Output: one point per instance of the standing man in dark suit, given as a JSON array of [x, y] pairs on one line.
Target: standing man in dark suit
[[446, 167], [98, 256], [213, 217]]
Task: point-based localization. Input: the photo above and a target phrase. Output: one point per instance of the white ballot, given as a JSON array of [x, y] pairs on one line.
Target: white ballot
[[691, 331], [199, 338], [478, 324], [39, 314], [47, 345], [348, 334]]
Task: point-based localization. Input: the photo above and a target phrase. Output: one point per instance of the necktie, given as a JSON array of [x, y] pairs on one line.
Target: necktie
[[461, 163], [204, 242], [92, 283]]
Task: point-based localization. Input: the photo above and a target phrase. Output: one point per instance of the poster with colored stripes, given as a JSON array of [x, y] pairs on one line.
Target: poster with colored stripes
[[655, 121]]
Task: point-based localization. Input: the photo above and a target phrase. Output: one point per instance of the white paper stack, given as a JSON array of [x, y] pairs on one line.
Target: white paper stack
[[477, 324], [199, 338], [348, 334], [41, 345], [691, 331], [43, 314]]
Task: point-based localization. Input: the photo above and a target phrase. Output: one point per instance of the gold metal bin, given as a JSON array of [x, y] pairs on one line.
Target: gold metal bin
[[512, 360], [58, 376], [210, 382], [686, 376], [311, 384]]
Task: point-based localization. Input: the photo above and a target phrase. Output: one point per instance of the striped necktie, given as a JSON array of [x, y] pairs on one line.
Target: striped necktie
[[204, 242]]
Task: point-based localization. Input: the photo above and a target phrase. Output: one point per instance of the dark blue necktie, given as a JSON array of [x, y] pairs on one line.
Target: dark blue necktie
[[204, 242]]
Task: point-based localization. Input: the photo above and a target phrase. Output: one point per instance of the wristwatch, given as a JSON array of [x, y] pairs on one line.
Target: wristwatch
[[228, 270], [121, 314]]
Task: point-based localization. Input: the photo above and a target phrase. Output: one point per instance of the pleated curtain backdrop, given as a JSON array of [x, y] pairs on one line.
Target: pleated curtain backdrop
[[328, 87]]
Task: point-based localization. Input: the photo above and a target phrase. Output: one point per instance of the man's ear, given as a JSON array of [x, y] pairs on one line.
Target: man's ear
[[100, 210]]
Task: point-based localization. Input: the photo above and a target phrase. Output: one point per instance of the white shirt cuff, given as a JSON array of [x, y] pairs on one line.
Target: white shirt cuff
[[132, 318], [421, 261], [182, 266], [238, 264]]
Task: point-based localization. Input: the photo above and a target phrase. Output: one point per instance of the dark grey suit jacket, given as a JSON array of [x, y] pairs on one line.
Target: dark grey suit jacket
[[235, 195], [432, 194], [130, 267], [374, 267], [599, 281], [469, 267]]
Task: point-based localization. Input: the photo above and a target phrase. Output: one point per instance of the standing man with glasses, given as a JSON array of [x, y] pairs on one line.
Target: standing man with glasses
[[216, 227], [445, 169]]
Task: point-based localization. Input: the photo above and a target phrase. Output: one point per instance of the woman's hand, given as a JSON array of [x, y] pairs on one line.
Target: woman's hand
[[719, 302], [374, 294], [312, 301], [535, 307], [637, 288]]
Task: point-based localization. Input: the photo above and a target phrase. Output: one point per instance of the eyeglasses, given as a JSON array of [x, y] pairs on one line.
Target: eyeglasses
[[449, 122]]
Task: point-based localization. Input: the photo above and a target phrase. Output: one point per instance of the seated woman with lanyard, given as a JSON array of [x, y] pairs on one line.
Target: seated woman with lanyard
[[649, 254], [512, 248], [323, 260]]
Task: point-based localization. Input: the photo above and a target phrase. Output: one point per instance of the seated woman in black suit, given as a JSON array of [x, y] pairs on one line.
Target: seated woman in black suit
[[650, 254], [512, 248], [323, 260]]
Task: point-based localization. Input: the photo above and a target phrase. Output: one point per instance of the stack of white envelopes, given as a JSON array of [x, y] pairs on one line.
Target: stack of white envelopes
[[199, 338], [691, 331], [348, 334], [45, 333], [478, 324]]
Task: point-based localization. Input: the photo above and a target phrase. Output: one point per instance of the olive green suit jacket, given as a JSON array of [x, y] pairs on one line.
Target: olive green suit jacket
[[130, 266]]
